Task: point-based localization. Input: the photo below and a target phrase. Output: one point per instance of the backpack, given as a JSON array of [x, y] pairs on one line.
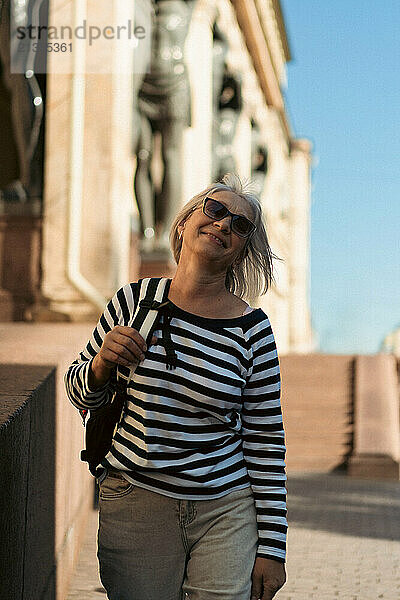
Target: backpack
[[103, 422]]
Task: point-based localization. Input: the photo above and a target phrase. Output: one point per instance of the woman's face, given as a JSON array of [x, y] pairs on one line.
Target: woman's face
[[215, 239]]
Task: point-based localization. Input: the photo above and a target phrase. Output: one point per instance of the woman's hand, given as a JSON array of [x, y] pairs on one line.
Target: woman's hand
[[121, 346], [268, 577]]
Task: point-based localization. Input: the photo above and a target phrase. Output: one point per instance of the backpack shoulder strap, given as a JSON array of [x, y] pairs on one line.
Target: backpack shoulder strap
[[153, 294]]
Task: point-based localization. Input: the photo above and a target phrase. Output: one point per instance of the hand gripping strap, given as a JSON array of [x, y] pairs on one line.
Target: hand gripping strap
[[153, 294]]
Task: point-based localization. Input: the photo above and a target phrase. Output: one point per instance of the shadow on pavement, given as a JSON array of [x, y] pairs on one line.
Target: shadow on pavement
[[336, 503]]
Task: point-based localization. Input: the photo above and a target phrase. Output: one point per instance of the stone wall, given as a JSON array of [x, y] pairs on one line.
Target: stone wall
[[27, 475], [56, 344]]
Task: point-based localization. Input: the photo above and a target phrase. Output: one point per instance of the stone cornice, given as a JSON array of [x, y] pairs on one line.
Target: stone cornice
[[272, 33], [249, 22], [282, 29], [301, 145]]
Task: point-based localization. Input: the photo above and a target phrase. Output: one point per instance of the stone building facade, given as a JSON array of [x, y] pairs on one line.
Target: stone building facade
[[391, 343], [65, 250], [84, 243]]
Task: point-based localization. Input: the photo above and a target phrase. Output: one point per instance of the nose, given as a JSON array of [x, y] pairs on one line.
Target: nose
[[224, 224]]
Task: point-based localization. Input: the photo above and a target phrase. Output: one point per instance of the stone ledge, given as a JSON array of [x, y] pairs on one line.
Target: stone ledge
[[372, 466], [376, 450]]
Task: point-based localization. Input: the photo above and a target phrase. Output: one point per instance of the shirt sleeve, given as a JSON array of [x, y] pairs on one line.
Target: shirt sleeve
[[118, 311], [264, 443]]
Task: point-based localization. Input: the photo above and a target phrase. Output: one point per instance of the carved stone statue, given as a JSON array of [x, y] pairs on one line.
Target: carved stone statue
[[259, 159], [220, 50], [21, 115], [227, 101], [163, 104]]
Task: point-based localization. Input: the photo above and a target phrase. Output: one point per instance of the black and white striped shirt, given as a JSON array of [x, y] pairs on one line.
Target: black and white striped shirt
[[212, 425]]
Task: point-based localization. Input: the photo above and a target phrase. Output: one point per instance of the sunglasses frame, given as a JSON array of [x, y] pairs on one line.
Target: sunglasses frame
[[231, 214]]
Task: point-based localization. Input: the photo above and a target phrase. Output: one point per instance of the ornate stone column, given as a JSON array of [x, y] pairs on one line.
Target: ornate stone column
[[89, 164], [197, 154], [300, 331]]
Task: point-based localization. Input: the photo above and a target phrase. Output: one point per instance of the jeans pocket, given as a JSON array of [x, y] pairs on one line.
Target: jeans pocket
[[114, 486]]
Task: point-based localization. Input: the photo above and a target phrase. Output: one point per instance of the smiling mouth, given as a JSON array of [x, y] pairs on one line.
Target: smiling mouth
[[213, 237]]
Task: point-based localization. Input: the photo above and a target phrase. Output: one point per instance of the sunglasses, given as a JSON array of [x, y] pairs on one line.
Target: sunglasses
[[240, 225]]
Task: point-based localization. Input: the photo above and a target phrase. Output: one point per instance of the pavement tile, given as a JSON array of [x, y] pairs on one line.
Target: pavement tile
[[86, 584], [343, 542]]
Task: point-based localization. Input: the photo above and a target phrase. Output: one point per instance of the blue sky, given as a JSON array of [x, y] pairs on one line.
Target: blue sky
[[344, 95]]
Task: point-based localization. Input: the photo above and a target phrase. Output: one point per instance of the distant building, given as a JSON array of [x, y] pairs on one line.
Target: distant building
[[391, 342], [67, 247]]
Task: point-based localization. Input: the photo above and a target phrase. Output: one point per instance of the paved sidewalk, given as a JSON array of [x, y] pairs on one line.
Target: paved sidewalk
[[343, 542]]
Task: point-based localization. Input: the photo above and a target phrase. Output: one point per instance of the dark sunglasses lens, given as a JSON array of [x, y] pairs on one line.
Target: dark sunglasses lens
[[242, 226], [215, 209]]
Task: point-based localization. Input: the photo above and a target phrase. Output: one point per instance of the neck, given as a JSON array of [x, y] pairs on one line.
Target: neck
[[192, 281]]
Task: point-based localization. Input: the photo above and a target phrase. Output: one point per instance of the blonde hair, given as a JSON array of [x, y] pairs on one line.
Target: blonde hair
[[251, 273]]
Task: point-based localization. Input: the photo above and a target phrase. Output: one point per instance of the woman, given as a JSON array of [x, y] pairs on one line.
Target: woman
[[192, 497]]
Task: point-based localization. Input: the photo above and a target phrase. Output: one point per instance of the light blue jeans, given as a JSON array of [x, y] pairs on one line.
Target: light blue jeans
[[152, 547]]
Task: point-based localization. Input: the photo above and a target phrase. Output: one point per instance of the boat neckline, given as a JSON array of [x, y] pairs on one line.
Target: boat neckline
[[176, 310]]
